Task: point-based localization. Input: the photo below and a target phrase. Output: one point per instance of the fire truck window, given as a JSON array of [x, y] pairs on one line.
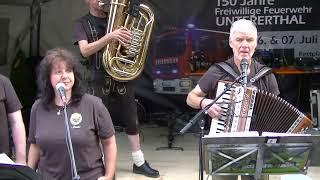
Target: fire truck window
[[170, 47]]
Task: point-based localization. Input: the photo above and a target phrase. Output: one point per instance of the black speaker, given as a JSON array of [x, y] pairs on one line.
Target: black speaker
[[315, 107]]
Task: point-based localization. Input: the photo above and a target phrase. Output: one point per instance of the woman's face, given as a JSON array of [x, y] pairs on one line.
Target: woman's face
[[61, 73]]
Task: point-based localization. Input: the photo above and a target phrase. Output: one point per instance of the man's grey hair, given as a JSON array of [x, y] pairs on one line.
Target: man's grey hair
[[243, 25]]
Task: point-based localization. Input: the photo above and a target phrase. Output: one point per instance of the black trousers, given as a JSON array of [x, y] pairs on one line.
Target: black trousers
[[119, 98]]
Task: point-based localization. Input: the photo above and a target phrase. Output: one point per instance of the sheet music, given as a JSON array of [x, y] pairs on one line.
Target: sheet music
[[4, 159], [283, 134], [235, 134]]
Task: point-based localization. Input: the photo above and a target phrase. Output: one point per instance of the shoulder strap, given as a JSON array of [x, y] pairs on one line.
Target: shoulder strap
[[227, 68], [263, 71], [88, 28], [91, 32]]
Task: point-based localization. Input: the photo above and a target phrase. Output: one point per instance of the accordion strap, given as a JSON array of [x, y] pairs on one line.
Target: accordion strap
[[228, 69], [263, 71]]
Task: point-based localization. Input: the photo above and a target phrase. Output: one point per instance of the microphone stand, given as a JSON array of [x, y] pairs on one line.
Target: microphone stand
[[199, 117], [75, 175]]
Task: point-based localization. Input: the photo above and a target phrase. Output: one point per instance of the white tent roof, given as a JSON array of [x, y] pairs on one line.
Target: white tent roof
[[16, 2], [19, 2]]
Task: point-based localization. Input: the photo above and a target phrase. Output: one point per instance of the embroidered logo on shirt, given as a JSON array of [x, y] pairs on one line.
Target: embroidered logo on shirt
[[75, 120]]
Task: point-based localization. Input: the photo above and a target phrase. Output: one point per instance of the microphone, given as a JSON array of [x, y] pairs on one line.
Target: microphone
[[244, 66], [60, 87]]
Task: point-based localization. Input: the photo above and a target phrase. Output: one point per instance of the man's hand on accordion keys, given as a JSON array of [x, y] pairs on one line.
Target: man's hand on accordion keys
[[214, 111]]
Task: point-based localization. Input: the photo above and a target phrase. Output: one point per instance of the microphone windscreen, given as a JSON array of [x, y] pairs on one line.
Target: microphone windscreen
[[244, 62], [60, 85]]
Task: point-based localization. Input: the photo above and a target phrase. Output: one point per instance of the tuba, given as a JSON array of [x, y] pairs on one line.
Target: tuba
[[125, 63]]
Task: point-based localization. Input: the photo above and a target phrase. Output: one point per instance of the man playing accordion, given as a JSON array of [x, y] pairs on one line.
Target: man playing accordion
[[243, 41]]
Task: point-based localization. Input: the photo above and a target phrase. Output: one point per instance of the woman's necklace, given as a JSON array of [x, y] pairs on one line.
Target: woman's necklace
[[59, 108]]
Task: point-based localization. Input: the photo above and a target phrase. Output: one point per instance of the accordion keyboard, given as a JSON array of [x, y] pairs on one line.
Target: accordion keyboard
[[218, 124], [271, 113]]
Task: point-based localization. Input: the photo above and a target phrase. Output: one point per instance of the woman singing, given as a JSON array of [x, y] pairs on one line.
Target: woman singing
[[88, 119]]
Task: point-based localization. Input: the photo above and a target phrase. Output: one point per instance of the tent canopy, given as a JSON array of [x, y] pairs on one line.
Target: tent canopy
[[20, 2], [16, 2]]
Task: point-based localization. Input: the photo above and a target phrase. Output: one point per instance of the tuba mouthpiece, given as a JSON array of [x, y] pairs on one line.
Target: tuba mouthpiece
[[101, 4]]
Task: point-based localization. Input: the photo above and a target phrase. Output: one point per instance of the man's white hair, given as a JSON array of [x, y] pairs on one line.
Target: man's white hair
[[243, 25]]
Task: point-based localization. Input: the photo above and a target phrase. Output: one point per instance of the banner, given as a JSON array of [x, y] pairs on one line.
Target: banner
[[282, 24], [268, 15]]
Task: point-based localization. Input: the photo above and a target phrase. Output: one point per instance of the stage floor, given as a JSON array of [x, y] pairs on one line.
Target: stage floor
[[172, 164]]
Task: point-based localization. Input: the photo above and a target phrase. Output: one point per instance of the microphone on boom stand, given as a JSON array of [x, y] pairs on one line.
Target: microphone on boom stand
[[60, 87], [199, 118], [244, 66]]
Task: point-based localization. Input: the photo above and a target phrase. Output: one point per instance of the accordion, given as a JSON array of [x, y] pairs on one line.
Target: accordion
[[250, 109]]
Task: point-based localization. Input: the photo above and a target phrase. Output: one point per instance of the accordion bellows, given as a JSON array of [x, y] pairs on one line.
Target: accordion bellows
[[273, 114], [250, 109]]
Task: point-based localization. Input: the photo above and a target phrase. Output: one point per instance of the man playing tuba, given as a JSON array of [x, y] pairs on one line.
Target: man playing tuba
[[91, 37]]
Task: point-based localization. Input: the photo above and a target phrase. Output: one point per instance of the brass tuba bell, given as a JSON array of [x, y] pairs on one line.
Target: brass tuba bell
[[125, 63]]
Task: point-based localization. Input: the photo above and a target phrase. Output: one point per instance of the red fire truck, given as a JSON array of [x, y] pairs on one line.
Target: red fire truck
[[181, 56]]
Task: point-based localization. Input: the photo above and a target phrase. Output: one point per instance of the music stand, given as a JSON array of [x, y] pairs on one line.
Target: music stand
[[260, 155], [17, 172]]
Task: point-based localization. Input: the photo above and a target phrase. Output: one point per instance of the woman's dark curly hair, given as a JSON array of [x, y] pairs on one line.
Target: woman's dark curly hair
[[53, 57]]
